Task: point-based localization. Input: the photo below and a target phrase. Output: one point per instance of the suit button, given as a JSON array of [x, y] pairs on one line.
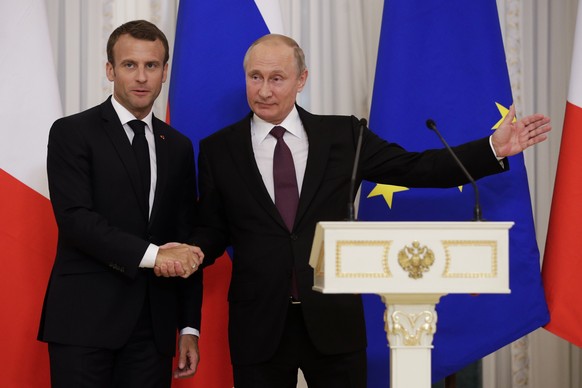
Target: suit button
[[293, 237]]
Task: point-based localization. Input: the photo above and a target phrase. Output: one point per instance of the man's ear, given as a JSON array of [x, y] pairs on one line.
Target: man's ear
[[109, 71], [302, 80]]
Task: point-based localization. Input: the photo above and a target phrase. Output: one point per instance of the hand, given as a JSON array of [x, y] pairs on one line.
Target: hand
[[169, 245], [513, 137], [189, 356], [176, 259]]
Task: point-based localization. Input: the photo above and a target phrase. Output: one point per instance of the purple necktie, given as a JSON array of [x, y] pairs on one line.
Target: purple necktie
[[285, 179], [286, 191]]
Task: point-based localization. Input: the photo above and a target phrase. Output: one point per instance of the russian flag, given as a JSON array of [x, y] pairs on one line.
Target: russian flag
[[30, 103], [207, 92]]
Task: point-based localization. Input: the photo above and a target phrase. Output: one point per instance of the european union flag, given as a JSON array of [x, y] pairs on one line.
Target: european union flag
[[444, 60]]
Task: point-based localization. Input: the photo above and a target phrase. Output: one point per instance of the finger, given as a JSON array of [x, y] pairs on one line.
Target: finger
[[171, 268], [183, 369], [187, 369], [510, 116], [538, 131], [538, 139], [184, 373], [197, 261], [541, 126], [537, 120], [182, 361], [181, 270], [197, 251], [164, 270], [157, 271]]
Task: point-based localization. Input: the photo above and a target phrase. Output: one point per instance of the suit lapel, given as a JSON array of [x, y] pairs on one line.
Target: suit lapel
[[317, 157], [114, 130], [241, 149]]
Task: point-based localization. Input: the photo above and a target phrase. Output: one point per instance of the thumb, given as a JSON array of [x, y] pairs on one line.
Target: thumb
[[183, 360], [510, 116]]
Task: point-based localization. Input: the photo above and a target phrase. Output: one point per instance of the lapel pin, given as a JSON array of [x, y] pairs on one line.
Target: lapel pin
[[162, 137]]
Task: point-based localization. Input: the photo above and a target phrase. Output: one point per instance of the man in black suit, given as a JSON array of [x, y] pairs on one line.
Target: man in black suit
[[277, 322], [108, 319]]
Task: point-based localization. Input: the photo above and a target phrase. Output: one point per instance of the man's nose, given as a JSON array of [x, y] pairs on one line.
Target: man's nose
[[141, 75], [265, 89]]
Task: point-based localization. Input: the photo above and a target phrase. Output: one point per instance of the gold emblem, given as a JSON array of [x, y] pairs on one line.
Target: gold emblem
[[415, 259]]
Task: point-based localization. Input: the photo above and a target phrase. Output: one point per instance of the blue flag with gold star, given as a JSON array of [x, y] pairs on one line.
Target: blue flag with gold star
[[444, 60]]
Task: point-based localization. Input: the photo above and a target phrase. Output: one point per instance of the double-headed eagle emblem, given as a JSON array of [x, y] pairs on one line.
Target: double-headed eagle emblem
[[415, 259]]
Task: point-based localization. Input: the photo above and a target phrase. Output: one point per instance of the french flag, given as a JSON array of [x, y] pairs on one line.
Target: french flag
[[562, 265], [30, 103], [207, 93]]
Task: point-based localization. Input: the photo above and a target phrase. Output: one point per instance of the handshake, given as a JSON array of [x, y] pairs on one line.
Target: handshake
[[175, 259]]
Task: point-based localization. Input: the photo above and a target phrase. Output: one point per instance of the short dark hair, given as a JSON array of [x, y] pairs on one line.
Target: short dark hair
[[138, 29], [297, 51]]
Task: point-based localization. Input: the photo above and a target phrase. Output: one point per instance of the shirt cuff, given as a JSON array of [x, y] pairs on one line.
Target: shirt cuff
[[149, 258], [500, 160], [493, 149], [190, 330]]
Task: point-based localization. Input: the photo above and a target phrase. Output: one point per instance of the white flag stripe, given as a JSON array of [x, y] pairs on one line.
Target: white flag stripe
[[271, 13], [575, 89], [29, 97]]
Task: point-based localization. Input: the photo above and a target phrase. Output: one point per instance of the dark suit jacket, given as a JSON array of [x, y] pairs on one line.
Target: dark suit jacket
[[96, 290], [237, 208]]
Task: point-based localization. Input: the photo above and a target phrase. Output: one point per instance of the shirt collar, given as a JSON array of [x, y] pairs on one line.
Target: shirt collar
[[126, 116], [292, 124]]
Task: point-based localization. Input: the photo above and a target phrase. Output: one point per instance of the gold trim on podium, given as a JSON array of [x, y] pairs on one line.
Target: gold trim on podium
[[340, 244]]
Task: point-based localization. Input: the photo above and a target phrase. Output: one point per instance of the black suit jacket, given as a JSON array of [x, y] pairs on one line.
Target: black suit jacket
[[96, 289], [239, 211]]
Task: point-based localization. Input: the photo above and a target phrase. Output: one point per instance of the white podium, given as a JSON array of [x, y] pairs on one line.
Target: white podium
[[411, 265]]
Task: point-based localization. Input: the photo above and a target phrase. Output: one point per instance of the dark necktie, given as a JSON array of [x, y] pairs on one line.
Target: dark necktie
[[285, 179], [286, 191], [142, 155]]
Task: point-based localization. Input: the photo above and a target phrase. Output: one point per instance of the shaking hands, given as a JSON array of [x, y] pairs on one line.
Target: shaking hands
[[175, 259]]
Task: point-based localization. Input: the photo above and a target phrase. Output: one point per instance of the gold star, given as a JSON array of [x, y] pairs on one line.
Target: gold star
[[503, 111], [387, 191]]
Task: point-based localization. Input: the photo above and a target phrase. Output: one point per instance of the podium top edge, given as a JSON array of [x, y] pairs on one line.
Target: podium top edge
[[416, 224]]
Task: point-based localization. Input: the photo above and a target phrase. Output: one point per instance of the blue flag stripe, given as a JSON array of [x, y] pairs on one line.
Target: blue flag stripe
[[207, 82]]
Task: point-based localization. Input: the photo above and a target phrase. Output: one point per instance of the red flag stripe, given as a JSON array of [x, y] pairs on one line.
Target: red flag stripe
[[28, 236], [562, 262]]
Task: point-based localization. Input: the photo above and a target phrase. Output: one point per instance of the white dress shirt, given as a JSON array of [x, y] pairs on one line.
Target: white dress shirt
[[264, 147]]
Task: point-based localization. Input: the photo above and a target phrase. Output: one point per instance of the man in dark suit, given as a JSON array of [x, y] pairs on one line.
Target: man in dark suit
[[277, 322], [122, 183]]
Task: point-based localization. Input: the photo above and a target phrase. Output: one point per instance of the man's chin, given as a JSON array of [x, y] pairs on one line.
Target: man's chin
[[264, 113]]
